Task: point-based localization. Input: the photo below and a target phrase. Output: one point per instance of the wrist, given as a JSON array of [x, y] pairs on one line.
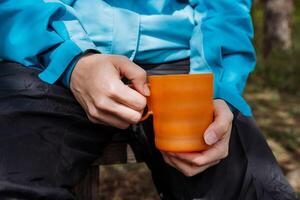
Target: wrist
[[66, 78]]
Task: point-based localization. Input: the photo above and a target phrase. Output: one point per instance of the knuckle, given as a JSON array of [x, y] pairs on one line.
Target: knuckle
[[222, 127], [141, 73], [91, 119], [143, 102], [135, 118], [111, 90], [95, 120], [225, 154], [123, 57], [93, 113], [200, 161], [100, 104], [231, 116], [120, 57]]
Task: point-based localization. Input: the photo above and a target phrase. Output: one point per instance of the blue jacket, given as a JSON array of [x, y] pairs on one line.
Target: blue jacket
[[52, 34]]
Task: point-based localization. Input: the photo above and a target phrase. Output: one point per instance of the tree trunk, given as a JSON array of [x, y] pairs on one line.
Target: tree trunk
[[277, 25]]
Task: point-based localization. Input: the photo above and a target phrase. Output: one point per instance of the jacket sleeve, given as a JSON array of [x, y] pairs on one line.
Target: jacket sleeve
[[44, 34], [222, 43]]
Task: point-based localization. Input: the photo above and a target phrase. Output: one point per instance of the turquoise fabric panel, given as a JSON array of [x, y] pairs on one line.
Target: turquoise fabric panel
[[225, 30], [44, 34]]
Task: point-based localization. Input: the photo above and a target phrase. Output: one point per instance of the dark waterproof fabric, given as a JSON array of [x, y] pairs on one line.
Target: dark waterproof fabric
[[47, 143]]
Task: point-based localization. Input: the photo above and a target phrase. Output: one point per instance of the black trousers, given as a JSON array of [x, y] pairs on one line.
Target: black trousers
[[47, 143]]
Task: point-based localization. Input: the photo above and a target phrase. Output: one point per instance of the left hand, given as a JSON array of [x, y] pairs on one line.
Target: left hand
[[217, 135]]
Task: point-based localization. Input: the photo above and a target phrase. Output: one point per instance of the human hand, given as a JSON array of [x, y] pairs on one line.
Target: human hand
[[97, 86], [217, 135]]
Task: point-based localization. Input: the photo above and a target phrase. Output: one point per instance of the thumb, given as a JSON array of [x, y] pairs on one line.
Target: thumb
[[133, 73], [221, 124]]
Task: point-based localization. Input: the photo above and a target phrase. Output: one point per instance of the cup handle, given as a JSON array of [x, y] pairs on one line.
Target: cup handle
[[149, 112]]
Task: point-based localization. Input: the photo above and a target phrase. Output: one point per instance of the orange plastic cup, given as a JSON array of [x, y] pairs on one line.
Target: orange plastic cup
[[182, 109]]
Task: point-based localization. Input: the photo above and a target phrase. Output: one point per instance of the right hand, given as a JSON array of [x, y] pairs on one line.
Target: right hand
[[97, 86]]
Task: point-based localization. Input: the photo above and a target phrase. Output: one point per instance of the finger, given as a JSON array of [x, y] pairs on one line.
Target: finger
[[216, 152], [166, 159], [129, 97], [99, 117], [118, 110], [219, 106], [173, 164], [134, 73], [205, 167], [188, 169], [183, 167], [222, 121], [186, 157]]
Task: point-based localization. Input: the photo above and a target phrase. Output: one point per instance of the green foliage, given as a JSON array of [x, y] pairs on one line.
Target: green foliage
[[273, 92], [281, 70]]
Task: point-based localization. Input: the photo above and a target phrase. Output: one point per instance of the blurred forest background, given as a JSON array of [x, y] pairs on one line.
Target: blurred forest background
[[273, 91]]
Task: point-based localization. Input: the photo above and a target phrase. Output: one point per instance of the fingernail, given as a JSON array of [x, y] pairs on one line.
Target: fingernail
[[146, 90], [210, 138]]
